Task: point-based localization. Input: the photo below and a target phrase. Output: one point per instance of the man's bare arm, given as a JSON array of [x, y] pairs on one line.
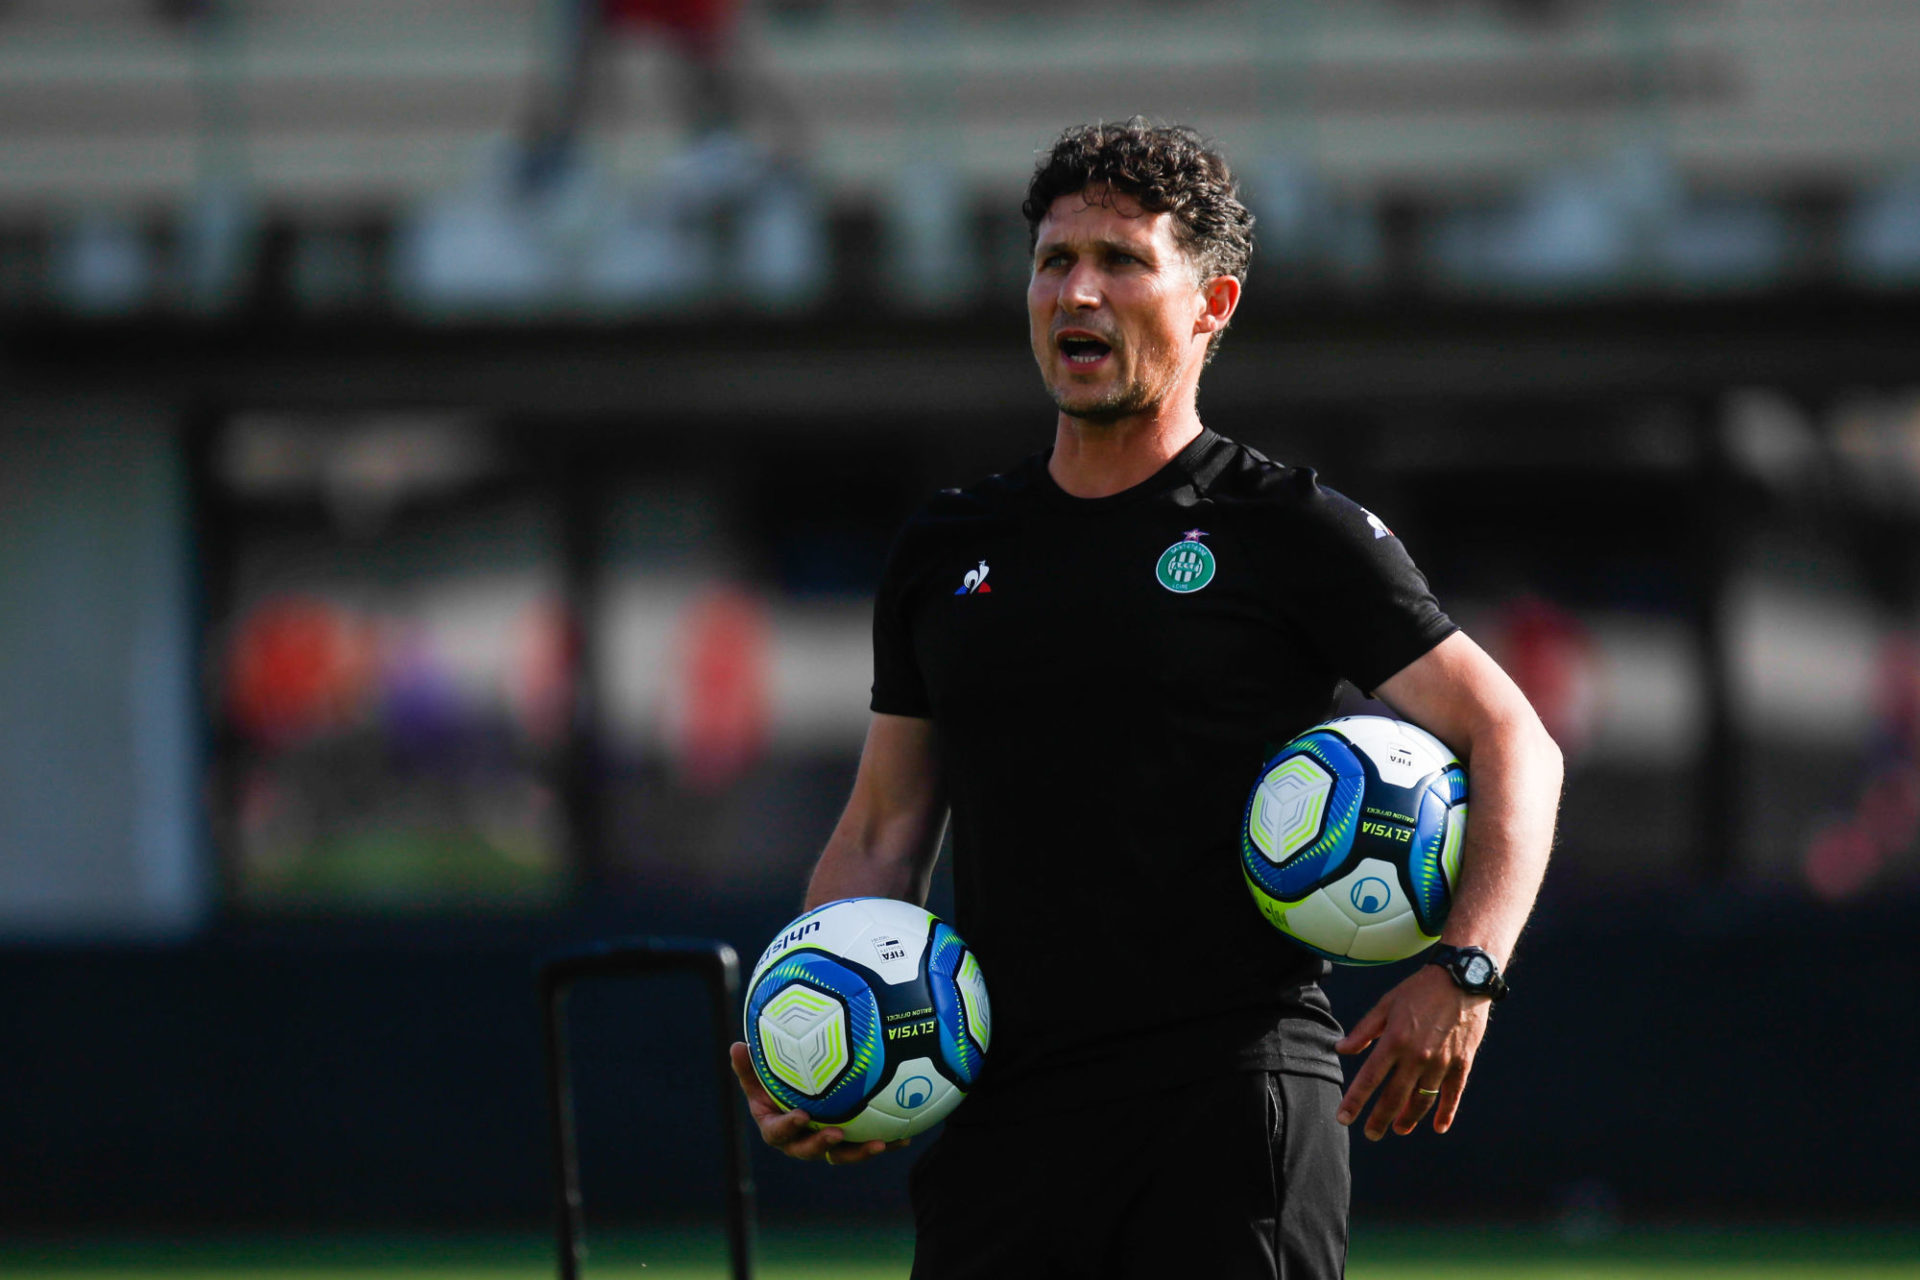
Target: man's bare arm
[[1461, 696], [1427, 1030], [889, 834], [883, 846]]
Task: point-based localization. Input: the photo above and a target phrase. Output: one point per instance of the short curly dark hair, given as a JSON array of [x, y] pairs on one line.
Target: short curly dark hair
[[1167, 169]]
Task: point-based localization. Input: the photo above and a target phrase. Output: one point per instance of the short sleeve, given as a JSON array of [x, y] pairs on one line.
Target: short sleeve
[[899, 689], [1349, 585]]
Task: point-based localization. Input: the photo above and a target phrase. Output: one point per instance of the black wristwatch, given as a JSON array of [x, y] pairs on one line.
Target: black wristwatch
[[1471, 969]]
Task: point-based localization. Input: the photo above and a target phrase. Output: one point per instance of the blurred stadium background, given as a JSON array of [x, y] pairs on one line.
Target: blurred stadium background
[[447, 446]]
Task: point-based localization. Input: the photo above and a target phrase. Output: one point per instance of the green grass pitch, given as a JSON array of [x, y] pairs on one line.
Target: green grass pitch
[[883, 1253]]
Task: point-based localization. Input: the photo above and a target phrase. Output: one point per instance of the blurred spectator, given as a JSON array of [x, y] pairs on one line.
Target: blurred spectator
[[701, 32], [732, 215]]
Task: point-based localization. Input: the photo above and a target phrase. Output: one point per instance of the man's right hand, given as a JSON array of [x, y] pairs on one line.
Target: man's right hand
[[789, 1131]]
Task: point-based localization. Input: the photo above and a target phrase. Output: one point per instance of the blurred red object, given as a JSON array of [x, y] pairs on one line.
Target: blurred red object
[[719, 725], [1550, 655], [707, 22], [1841, 860], [546, 656], [1897, 731], [297, 667], [1847, 856]]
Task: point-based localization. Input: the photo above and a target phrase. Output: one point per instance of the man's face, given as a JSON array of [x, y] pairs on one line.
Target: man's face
[[1111, 306]]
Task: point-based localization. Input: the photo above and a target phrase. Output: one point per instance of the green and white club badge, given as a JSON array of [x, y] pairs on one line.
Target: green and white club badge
[[1187, 565]]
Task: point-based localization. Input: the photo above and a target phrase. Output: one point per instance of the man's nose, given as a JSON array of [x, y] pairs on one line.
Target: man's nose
[[1080, 291]]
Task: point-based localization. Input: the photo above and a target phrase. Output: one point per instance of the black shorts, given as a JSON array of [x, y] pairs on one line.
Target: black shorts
[[1241, 1175]]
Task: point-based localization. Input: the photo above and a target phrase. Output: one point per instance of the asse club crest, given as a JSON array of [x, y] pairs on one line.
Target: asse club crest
[[1187, 565]]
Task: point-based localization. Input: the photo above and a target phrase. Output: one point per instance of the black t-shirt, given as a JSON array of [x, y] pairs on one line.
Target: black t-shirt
[[1105, 677]]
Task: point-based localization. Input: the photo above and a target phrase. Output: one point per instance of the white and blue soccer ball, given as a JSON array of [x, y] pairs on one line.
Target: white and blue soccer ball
[[1351, 843], [871, 1015]]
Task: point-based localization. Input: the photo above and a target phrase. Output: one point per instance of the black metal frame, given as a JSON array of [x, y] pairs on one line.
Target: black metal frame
[[719, 969]]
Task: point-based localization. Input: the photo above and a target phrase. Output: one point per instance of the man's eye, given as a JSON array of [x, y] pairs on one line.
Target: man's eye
[[1053, 260]]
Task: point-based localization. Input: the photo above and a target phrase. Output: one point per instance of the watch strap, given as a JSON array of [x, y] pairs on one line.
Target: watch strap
[[1455, 961]]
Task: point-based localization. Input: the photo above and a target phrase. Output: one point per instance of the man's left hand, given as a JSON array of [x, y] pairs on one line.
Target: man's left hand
[[1427, 1031]]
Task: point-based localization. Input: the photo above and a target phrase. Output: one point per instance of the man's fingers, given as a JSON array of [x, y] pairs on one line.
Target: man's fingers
[[742, 1059], [1371, 1073], [1450, 1090], [1364, 1031], [815, 1145], [1426, 1093], [792, 1131], [783, 1129], [1394, 1094], [788, 1131], [857, 1152], [778, 1128]]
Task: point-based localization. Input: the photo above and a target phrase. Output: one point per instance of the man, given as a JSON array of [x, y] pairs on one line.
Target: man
[[1093, 720]]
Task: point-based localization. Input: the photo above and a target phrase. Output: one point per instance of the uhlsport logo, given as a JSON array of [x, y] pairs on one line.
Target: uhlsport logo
[[913, 1091], [789, 938], [1187, 565], [975, 582], [1371, 895]]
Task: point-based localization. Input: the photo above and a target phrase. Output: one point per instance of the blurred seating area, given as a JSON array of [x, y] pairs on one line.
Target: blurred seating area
[[520, 159]]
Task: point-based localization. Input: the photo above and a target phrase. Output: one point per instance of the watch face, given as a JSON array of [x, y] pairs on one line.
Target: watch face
[[1478, 969]]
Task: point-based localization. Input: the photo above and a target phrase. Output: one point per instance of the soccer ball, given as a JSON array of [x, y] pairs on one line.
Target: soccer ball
[[870, 1014], [1351, 843]]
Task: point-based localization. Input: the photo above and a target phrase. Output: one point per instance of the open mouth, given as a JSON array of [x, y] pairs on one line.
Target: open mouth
[[1083, 350]]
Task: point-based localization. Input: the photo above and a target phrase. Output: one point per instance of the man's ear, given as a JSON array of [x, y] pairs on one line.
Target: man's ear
[[1219, 296]]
